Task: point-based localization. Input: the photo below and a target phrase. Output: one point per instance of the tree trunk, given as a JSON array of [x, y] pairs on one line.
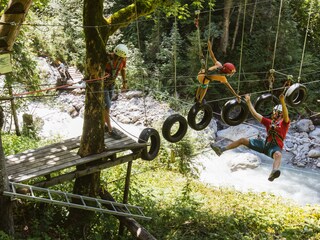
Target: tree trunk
[[226, 21], [92, 140], [6, 216], [237, 26]]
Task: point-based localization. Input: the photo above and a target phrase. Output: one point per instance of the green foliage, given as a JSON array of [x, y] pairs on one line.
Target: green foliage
[[4, 236], [13, 144]]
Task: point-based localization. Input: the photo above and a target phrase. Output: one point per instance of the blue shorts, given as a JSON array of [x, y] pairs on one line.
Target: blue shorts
[[261, 146], [108, 93]]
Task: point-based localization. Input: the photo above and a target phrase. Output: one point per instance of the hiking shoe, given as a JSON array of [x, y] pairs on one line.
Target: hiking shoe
[[218, 150], [274, 174], [113, 134]]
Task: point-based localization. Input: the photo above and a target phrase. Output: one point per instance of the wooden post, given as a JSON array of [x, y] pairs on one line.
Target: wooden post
[[126, 194], [28, 125], [6, 216], [14, 112]]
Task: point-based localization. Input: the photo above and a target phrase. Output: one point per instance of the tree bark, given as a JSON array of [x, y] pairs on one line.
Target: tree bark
[[6, 216], [226, 21]]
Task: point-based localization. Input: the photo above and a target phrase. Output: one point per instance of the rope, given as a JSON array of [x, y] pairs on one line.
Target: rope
[[175, 56], [242, 40], [209, 31], [143, 79], [253, 16], [277, 34], [305, 40], [196, 22]]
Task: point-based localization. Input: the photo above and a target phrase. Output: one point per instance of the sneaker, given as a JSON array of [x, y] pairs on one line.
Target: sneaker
[[218, 150], [274, 174], [113, 134]]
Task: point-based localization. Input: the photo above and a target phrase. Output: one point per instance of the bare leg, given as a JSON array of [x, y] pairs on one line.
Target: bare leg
[[202, 90], [107, 119], [237, 143], [276, 160]]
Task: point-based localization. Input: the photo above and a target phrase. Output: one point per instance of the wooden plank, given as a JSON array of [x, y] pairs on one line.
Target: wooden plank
[[92, 169], [48, 161], [31, 154], [55, 157], [44, 170]]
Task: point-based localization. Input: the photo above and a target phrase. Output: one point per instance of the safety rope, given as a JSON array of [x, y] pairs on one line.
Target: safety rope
[[241, 49], [277, 35], [201, 57], [139, 46], [175, 56], [305, 40], [209, 31], [253, 15]]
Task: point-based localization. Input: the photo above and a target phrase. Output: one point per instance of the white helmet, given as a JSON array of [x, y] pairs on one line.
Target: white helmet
[[278, 108], [121, 50]]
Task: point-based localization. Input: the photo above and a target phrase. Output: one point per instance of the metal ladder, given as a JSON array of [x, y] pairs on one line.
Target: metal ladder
[[68, 199]]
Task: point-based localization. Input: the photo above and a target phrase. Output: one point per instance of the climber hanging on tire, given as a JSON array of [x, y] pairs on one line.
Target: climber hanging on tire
[[217, 72]]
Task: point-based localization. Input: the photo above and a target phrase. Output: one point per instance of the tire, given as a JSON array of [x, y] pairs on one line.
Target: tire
[[296, 95], [150, 152], [193, 115], [265, 103], [168, 124], [234, 113]]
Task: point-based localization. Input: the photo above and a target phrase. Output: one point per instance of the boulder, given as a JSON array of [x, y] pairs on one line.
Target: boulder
[[235, 132], [241, 161], [305, 125], [314, 153]]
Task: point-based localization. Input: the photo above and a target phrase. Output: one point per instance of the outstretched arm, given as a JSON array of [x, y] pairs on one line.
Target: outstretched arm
[[252, 110], [285, 111]]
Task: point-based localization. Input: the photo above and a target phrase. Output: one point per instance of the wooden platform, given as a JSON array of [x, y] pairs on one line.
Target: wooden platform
[[63, 155]]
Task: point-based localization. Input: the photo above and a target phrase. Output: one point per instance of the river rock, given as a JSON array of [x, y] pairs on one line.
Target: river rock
[[305, 125], [241, 161]]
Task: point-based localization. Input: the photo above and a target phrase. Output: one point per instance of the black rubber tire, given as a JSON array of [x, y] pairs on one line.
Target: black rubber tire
[[265, 103], [228, 115], [296, 95], [206, 118], [152, 135], [180, 133]]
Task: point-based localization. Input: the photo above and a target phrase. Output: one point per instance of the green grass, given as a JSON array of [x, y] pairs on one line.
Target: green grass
[[187, 209]]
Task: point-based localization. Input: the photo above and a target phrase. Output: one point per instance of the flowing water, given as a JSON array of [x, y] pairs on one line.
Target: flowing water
[[299, 185]]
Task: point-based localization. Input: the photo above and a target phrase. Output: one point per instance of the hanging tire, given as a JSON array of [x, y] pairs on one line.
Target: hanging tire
[[234, 113], [265, 103], [150, 152], [296, 95], [199, 116], [167, 128]]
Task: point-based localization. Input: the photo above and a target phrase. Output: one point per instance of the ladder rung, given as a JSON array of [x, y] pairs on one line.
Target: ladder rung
[[85, 202]]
